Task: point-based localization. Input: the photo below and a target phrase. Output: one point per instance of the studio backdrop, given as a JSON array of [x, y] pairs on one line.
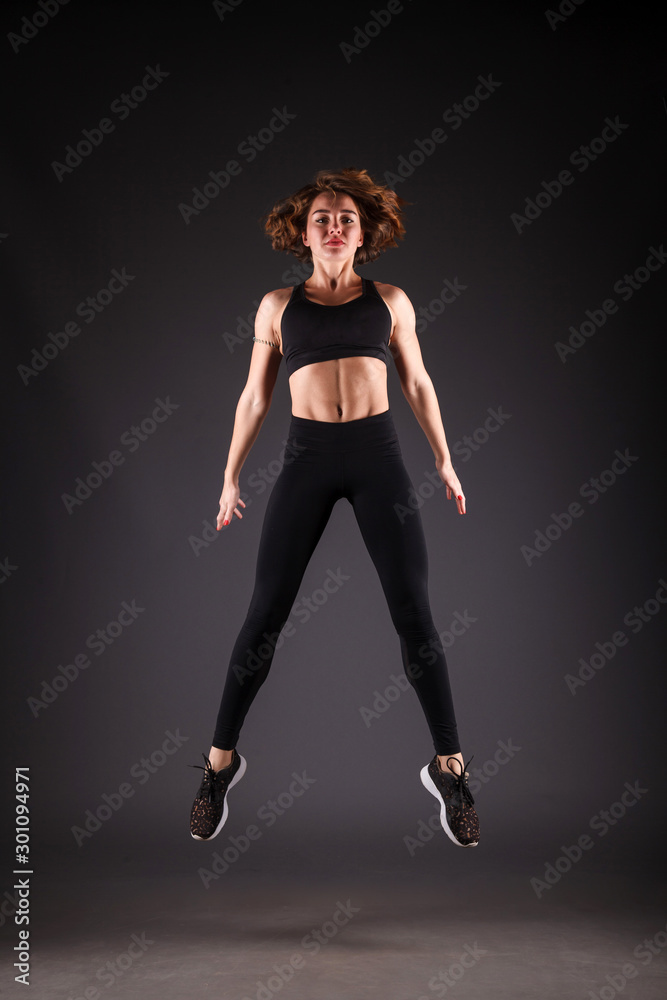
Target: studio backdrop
[[143, 143]]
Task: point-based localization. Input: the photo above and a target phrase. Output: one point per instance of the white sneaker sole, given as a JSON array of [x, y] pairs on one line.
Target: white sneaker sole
[[429, 785], [225, 812]]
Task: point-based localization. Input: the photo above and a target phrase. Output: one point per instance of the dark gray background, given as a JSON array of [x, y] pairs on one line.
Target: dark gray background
[[493, 347]]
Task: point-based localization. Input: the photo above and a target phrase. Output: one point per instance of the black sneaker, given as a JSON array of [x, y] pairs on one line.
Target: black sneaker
[[209, 809], [457, 814]]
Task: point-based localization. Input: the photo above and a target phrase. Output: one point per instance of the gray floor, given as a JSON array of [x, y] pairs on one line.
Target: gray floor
[[287, 923]]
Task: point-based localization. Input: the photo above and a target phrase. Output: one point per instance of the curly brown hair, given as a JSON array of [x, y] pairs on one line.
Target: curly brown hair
[[379, 207]]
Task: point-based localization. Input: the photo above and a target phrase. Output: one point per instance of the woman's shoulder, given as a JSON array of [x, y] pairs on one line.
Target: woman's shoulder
[[392, 294], [387, 290], [276, 299]]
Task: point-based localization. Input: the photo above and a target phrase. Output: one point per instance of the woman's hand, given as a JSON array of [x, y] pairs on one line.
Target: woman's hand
[[451, 481], [230, 498]]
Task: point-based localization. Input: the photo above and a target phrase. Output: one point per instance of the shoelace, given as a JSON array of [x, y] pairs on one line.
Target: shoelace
[[212, 786], [461, 790]]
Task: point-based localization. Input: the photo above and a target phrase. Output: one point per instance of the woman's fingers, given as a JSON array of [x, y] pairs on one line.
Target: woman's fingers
[[227, 508], [460, 498]]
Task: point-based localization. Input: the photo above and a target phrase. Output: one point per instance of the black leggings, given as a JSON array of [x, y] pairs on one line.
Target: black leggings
[[360, 460]]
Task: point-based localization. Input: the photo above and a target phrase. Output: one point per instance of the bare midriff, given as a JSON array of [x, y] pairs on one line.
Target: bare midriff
[[340, 390]]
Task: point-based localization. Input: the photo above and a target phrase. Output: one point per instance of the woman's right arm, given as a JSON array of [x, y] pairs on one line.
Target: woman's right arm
[[254, 402]]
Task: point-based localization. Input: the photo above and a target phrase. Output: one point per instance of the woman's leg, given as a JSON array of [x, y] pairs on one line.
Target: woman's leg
[[297, 512], [378, 487]]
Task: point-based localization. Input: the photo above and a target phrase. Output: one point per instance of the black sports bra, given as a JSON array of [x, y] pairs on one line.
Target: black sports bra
[[313, 332]]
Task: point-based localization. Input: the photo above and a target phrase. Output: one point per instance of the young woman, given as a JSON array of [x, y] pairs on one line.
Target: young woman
[[335, 331]]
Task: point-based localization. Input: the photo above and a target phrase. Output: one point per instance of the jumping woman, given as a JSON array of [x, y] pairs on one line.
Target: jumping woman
[[336, 331]]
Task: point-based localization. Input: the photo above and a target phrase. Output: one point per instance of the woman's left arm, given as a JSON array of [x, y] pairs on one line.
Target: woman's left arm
[[418, 389]]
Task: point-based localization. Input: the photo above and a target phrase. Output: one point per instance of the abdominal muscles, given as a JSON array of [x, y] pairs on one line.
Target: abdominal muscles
[[340, 390]]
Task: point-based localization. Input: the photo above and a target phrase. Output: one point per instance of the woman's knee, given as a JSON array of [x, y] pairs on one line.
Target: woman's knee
[[413, 620]]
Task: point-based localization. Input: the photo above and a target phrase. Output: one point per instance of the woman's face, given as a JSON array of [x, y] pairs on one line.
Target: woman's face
[[333, 228]]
